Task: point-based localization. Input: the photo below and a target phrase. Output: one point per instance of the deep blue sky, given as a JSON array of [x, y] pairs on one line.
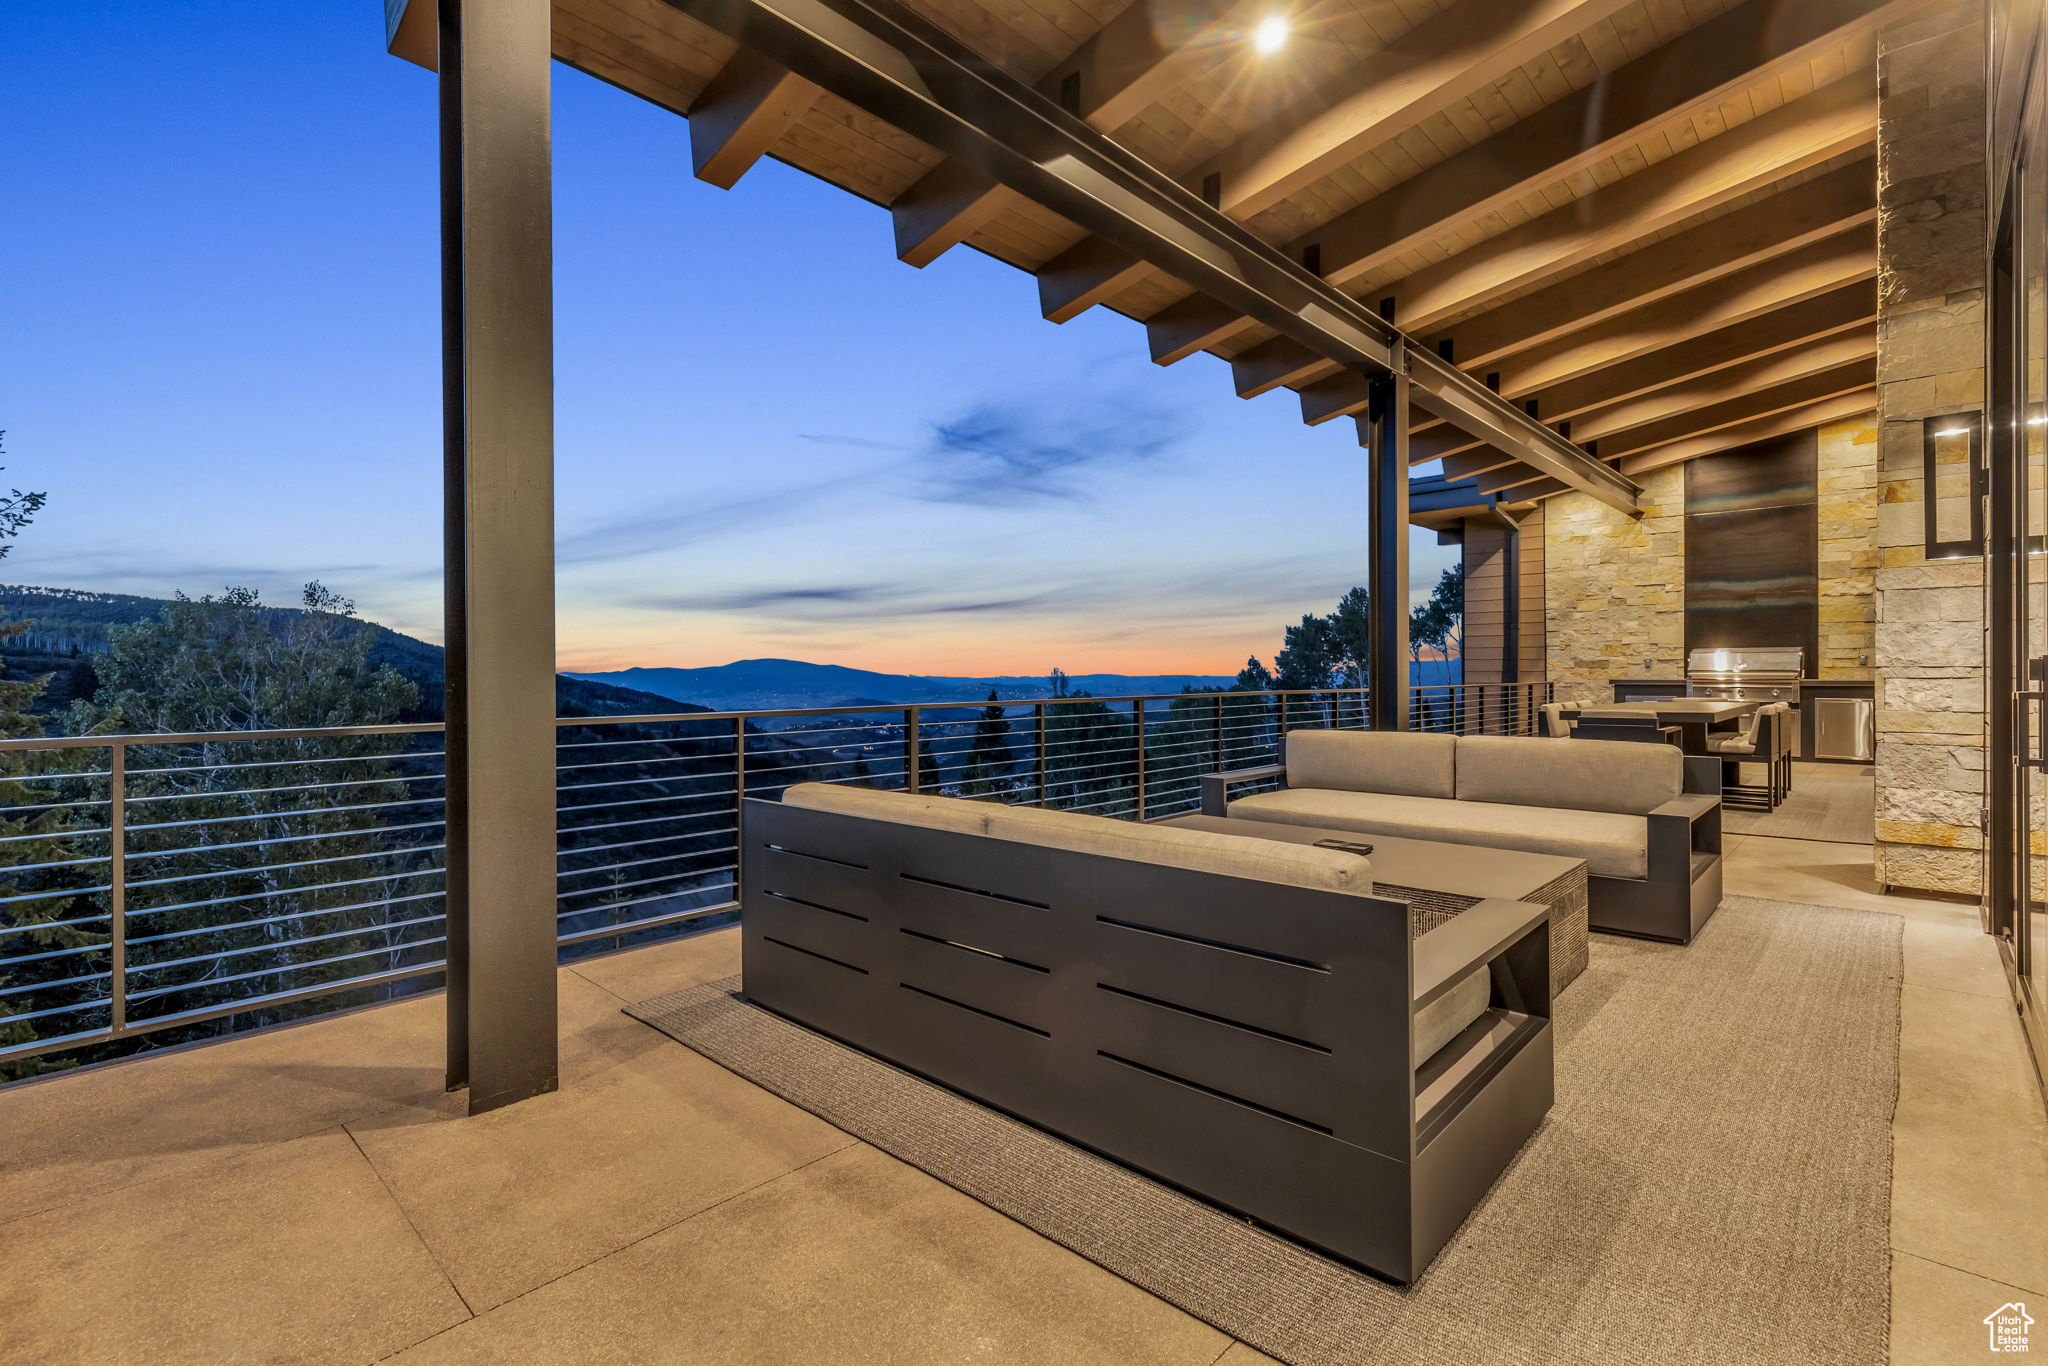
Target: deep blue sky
[[221, 351]]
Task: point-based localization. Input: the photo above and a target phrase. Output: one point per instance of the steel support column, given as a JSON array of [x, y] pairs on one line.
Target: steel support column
[[498, 396], [1387, 547]]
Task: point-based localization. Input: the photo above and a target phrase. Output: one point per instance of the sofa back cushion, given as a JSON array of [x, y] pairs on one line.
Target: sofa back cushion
[[1401, 764], [1621, 776], [905, 808], [1293, 865]]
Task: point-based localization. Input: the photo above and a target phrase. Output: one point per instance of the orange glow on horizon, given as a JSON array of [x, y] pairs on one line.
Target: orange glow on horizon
[[997, 659]]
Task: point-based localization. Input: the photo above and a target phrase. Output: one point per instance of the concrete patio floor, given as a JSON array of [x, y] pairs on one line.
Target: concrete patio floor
[[308, 1194]]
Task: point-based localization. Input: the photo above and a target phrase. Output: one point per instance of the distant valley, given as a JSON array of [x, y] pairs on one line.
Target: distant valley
[[768, 684], [72, 625]]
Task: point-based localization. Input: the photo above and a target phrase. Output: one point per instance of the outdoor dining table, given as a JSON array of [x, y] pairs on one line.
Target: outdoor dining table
[[1694, 716]]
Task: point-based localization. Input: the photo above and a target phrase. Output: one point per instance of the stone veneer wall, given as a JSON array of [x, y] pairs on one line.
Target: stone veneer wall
[[1846, 480], [1614, 588], [1931, 725]]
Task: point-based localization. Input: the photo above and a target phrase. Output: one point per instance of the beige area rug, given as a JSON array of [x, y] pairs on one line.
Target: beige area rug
[[1712, 1186], [1834, 803]]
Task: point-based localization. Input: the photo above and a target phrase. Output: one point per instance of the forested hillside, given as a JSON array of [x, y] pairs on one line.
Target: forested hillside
[[71, 626]]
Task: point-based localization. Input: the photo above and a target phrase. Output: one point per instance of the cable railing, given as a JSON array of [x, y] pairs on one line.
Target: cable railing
[[157, 889]]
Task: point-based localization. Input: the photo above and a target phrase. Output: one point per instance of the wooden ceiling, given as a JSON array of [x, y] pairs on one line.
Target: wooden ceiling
[[1654, 220]]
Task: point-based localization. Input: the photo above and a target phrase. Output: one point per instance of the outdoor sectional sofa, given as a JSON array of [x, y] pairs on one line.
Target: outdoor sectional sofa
[[1241, 1018], [1646, 819]]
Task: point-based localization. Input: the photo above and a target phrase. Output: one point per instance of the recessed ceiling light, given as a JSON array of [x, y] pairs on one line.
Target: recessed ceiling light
[[1271, 34]]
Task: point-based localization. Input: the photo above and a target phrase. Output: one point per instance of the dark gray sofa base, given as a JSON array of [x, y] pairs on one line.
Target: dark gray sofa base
[[1246, 1041]]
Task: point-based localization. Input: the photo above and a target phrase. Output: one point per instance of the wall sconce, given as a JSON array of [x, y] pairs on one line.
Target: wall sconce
[[1953, 449]]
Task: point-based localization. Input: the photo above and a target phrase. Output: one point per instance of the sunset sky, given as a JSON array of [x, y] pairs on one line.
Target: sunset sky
[[221, 359]]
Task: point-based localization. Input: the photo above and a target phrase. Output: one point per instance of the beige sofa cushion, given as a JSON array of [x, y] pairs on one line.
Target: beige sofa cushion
[[1627, 777], [1443, 1019], [1293, 865], [1612, 845], [1406, 764], [905, 808]]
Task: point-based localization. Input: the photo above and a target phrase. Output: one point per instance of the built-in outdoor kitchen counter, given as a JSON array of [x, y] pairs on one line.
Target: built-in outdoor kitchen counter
[[1811, 690]]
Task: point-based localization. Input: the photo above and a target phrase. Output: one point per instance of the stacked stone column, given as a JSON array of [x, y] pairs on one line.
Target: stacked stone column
[[1930, 613]]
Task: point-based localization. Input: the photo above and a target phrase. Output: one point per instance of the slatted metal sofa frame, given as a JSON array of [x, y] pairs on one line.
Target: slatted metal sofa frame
[[1247, 1041]]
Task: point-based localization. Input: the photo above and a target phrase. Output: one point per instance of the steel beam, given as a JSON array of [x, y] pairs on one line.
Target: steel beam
[[882, 57], [498, 428], [1387, 550]]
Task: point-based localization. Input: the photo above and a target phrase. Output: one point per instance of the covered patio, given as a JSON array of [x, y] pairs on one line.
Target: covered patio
[[661, 1209], [1586, 275]]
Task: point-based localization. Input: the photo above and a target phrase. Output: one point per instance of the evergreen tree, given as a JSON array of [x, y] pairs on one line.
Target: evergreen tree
[[277, 864], [1090, 757], [989, 756], [54, 937], [928, 776], [1307, 662], [1447, 600], [1351, 629], [1249, 735]]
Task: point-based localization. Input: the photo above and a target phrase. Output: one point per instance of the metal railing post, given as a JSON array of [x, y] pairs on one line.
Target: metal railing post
[[117, 887], [1138, 718], [1040, 745], [739, 760], [1217, 736], [911, 781]]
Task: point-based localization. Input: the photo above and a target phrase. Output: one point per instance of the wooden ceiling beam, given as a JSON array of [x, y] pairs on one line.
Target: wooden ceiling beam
[[743, 112], [1743, 434], [947, 205], [1443, 59], [1616, 426], [1125, 67], [1665, 86], [1849, 309], [1828, 328], [1378, 98], [1798, 135], [1820, 268], [1855, 376], [1196, 323], [1137, 58], [1514, 474], [1272, 364], [1340, 395], [1084, 275], [1480, 461], [1525, 494], [1773, 228]]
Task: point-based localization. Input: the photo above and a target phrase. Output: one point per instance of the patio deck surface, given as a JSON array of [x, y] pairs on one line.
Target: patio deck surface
[[308, 1194]]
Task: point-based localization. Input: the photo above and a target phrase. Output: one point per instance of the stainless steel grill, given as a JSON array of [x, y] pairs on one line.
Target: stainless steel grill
[[1760, 675]]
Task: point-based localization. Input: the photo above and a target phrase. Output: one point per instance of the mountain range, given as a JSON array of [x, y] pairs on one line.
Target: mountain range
[[750, 684], [71, 626]]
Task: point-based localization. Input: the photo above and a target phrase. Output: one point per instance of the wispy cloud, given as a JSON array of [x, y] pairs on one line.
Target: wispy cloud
[[666, 525], [1018, 452], [866, 602], [122, 570]]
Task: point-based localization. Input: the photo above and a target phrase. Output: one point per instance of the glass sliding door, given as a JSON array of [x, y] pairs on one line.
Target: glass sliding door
[[2016, 518]]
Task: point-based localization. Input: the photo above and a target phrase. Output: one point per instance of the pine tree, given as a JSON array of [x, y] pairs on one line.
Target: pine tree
[[1249, 737], [989, 756], [272, 863], [58, 935]]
